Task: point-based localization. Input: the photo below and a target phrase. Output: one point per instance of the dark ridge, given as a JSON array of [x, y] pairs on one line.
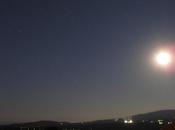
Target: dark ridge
[[162, 114]]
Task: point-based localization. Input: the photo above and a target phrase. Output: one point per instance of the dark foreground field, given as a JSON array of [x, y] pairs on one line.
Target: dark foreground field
[[82, 126]]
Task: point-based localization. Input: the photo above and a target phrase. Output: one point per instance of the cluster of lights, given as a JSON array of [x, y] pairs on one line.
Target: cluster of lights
[[160, 121], [128, 121]]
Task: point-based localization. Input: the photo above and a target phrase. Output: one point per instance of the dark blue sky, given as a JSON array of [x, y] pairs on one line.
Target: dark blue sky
[[79, 60]]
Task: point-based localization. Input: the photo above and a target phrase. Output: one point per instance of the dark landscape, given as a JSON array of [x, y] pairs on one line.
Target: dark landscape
[[147, 121]]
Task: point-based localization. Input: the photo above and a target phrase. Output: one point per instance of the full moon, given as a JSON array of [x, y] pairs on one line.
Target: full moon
[[163, 58]]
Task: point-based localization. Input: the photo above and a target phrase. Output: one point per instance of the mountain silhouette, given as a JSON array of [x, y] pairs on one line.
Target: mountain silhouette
[[156, 115]]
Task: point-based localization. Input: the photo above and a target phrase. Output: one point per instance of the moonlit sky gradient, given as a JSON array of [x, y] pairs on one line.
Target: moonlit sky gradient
[[81, 60]]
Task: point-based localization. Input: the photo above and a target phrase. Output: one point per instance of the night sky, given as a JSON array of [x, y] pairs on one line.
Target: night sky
[[81, 60]]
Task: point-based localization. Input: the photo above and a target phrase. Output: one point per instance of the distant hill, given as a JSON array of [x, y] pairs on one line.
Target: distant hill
[[41, 123], [162, 114], [107, 121]]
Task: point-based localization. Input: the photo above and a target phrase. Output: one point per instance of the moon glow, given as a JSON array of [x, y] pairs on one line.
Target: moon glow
[[163, 58]]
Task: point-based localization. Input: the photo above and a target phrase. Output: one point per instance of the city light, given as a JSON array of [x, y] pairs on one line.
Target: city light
[[128, 121], [125, 121], [160, 122]]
